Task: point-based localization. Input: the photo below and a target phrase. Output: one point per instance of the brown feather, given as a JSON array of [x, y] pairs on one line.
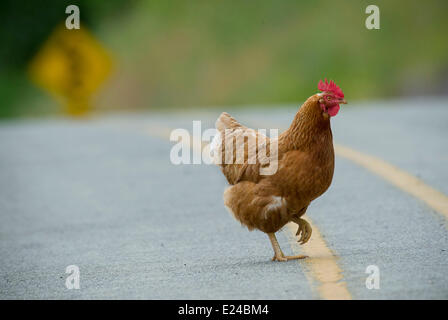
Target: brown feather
[[305, 169]]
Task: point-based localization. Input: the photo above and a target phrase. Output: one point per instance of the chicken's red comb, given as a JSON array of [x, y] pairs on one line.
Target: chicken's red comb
[[331, 87]]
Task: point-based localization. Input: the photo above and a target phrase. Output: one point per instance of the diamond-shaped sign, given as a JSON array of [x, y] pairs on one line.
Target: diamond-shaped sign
[[71, 65]]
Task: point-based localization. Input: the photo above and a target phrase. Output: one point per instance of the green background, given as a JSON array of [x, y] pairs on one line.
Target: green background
[[181, 54]]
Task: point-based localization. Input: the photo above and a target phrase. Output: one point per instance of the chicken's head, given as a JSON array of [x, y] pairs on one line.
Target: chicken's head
[[330, 98]]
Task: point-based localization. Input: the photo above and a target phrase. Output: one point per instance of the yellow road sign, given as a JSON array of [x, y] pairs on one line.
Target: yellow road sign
[[71, 65]]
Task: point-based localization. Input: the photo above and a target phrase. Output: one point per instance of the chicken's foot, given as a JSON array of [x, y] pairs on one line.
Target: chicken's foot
[[278, 253], [304, 230]]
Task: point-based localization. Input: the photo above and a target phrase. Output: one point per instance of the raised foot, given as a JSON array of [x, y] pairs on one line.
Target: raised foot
[[304, 231], [282, 258]]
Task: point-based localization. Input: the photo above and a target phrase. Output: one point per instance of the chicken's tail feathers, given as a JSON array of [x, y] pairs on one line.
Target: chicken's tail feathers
[[226, 121], [224, 125]]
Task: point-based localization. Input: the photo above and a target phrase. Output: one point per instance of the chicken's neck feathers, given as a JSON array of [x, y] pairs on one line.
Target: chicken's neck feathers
[[308, 128]]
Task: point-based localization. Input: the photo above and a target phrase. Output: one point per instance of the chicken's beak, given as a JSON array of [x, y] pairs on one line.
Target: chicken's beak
[[343, 101]]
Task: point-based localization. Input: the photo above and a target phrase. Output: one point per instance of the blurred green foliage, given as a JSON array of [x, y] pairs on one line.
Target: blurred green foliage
[[180, 53]]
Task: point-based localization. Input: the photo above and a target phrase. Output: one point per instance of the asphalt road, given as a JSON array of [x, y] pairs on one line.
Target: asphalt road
[[103, 195]]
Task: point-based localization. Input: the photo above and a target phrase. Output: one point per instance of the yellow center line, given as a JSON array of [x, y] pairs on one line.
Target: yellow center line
[[321, 267], [160, 132], [397, 177]]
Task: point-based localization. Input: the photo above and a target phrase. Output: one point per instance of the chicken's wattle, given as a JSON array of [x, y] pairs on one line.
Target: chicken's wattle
[[332, 111]]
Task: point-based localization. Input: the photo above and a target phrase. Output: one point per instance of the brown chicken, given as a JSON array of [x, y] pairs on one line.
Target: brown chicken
[[304, 166]]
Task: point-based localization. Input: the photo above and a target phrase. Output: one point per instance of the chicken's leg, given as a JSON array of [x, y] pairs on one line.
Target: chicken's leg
[[304, 229], [278, 254]]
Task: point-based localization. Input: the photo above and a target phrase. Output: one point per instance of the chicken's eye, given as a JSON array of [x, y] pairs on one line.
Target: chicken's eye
[[328, 98]]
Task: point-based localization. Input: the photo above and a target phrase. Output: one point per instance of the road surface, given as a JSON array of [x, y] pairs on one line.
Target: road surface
[[102, 195]]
